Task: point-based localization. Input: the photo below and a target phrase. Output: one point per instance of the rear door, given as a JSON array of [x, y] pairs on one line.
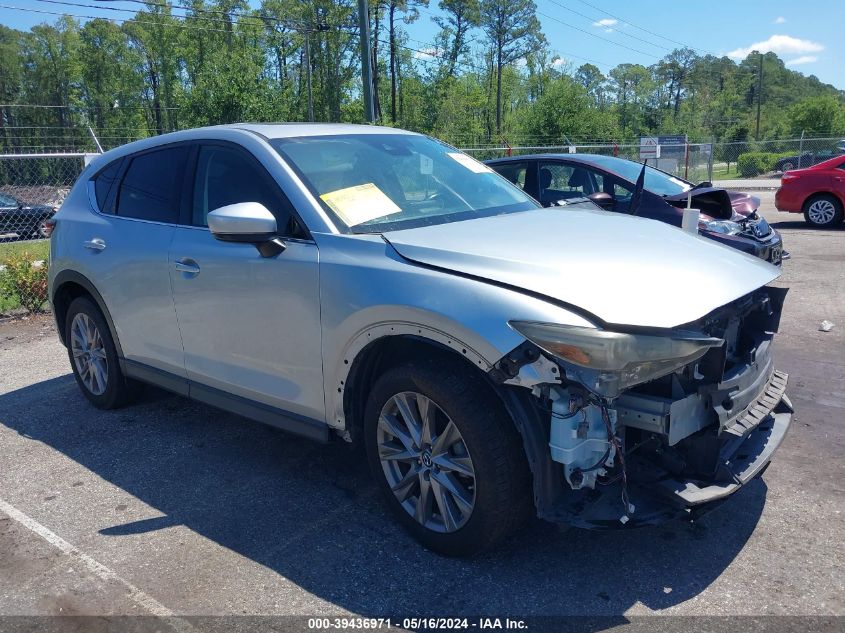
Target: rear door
[[250, 325], [125, 250]]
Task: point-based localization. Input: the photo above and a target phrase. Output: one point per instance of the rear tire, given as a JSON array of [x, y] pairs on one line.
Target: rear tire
[[462, 488], [823, 211], [93, 357]]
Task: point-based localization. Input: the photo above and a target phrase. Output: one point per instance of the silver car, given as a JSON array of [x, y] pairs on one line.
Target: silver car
[[375, 286]]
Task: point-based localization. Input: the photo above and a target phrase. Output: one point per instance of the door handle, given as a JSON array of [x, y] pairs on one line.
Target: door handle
[[187, 265], [95, 245]]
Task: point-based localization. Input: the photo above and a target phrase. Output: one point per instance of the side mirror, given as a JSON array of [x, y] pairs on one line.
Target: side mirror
[[602, 199], [247, 222]]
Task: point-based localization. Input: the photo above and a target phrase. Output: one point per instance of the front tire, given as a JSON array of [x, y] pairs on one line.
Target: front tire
[[823, 211], [447, 457], [93, 357]]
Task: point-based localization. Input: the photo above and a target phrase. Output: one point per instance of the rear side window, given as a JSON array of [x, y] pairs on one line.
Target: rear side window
[[150, 189], [103, 183]]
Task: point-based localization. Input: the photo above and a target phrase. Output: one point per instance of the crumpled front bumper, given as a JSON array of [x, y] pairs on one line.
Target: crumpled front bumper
[[747, 447], [745, 455]]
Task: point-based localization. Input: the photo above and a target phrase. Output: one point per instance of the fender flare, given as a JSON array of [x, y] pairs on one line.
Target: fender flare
[[337, 414], [71, 276]]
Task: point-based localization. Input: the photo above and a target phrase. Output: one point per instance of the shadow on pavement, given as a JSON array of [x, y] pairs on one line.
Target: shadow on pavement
[[799, 223], [311, 513]]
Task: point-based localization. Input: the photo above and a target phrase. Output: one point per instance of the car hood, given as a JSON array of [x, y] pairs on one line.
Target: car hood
[[620, 269], [718, 203], [743, 203]]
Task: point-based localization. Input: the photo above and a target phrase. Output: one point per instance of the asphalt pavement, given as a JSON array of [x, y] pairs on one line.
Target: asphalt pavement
[[170, 507]]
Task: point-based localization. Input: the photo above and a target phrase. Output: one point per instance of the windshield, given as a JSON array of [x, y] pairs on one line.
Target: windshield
[[385, 182], [656, 181]]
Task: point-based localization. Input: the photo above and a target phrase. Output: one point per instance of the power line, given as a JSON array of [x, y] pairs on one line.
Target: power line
[[599, 37], [259, 17], [644, 30], [70, 107], [622, 33]]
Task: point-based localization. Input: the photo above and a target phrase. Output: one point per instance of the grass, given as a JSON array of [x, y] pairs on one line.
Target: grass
[[38, 249]]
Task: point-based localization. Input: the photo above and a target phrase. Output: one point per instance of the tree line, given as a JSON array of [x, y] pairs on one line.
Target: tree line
[[489, 76]]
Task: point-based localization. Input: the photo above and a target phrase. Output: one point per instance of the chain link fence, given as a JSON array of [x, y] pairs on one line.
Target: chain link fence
[[32, 188], [699, 161]]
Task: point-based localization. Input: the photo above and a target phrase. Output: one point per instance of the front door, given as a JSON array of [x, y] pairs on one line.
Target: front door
[[250, 325]]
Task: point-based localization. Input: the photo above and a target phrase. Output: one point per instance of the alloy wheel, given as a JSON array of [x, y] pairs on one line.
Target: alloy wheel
[[89, 354], [821, 212], [426, 462]]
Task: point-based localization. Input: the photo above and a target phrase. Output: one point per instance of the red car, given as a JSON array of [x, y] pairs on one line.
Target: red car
[[818, 192]]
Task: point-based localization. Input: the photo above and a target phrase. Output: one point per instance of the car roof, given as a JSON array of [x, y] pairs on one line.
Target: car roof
[[268, 131], [294, 129], [588, 159]]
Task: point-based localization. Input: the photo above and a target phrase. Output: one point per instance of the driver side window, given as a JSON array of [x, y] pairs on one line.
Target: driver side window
[[225, 175]]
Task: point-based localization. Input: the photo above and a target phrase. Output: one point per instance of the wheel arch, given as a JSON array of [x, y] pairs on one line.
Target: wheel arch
[[69, 285], [384, 352]]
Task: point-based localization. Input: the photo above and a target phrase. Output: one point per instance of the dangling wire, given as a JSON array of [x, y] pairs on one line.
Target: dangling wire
[[611, 437]]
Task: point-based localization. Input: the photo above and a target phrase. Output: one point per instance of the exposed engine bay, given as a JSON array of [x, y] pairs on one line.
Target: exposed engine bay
[[670, 445]]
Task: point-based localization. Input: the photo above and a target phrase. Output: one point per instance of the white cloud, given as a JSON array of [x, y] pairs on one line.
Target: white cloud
[[608, 30], [606, 22], [780, 20], [559, 62], [780, 44], [426, 53], [804, 59]]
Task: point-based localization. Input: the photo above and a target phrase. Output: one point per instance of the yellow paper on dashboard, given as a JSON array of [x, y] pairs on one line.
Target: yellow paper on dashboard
[[359, 204]]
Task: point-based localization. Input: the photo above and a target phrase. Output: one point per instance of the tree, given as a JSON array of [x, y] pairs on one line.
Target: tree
[[594, 82], [460, 16], [820, 116], [411, 13], [564, 112], [513, 30]]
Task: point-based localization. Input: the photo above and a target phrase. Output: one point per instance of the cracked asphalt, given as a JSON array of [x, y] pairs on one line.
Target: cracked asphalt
[[170, 507]]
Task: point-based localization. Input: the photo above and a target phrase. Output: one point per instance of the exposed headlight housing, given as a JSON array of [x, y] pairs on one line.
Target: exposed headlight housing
[[725, 227], [608, 362]]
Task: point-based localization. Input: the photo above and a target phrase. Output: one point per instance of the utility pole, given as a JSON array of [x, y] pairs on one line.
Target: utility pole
[[366, 68], [308, 75], [759, 96]]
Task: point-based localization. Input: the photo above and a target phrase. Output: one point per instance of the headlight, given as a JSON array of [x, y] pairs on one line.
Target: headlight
[[725, 227], [608, 362]]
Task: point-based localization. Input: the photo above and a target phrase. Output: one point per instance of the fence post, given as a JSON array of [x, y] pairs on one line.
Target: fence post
[[710, 159], [800, 149]]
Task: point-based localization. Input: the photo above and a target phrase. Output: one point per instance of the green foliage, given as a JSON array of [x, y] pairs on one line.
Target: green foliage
[[752, 164], [564, 111], [489, 77], [818, 116], [23, 282]]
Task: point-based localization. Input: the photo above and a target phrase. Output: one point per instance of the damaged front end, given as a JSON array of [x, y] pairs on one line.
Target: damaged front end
[[643, 426]]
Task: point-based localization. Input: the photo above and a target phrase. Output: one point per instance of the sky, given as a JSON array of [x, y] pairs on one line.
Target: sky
[[808, 36]]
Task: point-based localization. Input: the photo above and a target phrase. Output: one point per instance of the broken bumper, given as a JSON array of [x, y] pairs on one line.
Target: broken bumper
[[747, 446], [745, 455]]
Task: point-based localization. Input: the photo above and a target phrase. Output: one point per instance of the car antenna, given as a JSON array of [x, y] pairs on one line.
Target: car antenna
[[638, 192]]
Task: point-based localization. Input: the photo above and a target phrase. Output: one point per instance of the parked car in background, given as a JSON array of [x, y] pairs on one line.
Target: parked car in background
[[728, 217], [375, 286], [24, 220], [818, 192], [808, 159]]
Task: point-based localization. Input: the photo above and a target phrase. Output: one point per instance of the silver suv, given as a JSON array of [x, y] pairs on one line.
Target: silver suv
[[375, 286]]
